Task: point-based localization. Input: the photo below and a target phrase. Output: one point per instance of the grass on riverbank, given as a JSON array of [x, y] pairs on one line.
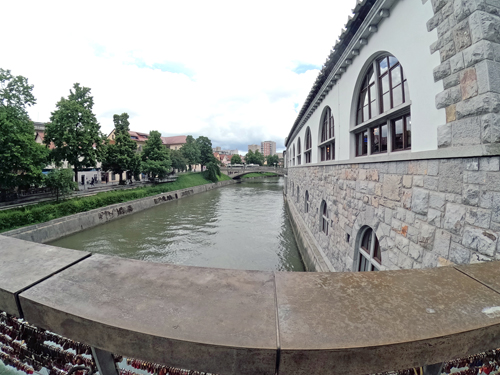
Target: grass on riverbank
[[259, 174], [42, 212]]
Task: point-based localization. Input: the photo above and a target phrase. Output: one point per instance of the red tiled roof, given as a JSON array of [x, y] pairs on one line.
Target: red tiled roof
[[177, 140], [139, 136]]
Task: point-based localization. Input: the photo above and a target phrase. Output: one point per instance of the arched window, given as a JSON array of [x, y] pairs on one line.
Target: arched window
[[298, 152], [327, 139], [292, 188], [293, 157], [369, 258], [298, 194], [324, 218], [306, 202], [384, 88], [308, 145]]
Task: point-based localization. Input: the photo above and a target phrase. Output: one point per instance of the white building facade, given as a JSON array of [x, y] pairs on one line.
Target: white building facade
[[393, 160]]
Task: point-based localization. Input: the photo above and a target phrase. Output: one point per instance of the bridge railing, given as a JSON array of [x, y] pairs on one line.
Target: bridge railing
[[251, 322]]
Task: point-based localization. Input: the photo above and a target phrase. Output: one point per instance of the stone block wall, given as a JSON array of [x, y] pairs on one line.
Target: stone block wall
[[425, 213], [469, 47]]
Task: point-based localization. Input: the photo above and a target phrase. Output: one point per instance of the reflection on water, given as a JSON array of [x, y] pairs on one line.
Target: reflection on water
[[243, 226]]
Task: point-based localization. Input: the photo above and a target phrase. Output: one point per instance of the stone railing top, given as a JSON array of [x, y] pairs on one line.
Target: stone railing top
[[252, 322]]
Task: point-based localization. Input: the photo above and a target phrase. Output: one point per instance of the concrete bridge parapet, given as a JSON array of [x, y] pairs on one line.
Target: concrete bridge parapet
[[237, 172], [251, 322]]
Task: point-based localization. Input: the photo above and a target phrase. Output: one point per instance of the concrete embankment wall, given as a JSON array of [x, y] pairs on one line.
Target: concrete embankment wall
[[54, 229]]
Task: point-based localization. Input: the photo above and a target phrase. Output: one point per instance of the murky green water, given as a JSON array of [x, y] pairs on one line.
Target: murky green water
[[243, 226]]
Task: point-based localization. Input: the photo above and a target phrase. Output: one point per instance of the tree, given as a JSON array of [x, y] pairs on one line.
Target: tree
[[213, 170], [60, 182], [272, 159], [179, 162], [75, 132], [121, 156], [155, 157], [249, 157], [191, 151], [206, 152], [21, 158], [254, 157], [236, 159]]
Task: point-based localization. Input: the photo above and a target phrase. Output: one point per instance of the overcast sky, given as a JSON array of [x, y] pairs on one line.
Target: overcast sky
[[235, 71]]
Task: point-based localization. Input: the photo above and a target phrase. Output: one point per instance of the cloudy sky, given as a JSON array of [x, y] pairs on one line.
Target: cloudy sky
[[235, 71]]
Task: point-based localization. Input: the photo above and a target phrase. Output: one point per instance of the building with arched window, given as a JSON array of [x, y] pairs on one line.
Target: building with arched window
[[401, 130]]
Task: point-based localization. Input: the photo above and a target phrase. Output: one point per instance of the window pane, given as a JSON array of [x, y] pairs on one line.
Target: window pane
[[396, 76], [373, 108], [375, 140], [392, 61], [408, 132], [397, 96], [366, 113], [383, 65], [383, 139], [385, 83], [376, 251], [371, 76], [386, 102], [407, 92], [398, 134], [373, 93], [328, 152], [365, 142]]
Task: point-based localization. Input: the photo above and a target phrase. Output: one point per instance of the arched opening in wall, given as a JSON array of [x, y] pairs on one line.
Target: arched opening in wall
[[369, 255], [308, 146], [293, 155], [298, 152], [324, 218], [326, 146], [306, 202], [383, 120], [298, 194], [292, 188]]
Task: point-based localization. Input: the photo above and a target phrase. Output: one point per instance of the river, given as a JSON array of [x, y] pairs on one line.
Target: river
[[242, 226]]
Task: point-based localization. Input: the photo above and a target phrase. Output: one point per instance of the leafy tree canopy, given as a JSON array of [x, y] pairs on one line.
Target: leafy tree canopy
[[205, 147], [191, 151], [60, 182], [272, 159], [75, 132], [254, 157], [179, 162], [213, 169], [155, 157], [236, 159], [121, 156], [21, 158]]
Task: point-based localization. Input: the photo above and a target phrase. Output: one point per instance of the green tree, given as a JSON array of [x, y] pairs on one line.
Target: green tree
[[236, 159], [272, 159], [254, 157], [155, 157], [249, 157], [21, 158], [60, 182], [121, 156], [213, 170], [206, 151], [75, 132], [179, 162], [191, 151]]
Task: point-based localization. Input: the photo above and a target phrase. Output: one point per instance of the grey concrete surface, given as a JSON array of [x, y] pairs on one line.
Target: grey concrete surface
[[24, 264], [215, 320], [355, 323], [485, 273]]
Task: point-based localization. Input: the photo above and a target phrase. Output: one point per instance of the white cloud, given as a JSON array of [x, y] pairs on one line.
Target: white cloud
[[230, 63]]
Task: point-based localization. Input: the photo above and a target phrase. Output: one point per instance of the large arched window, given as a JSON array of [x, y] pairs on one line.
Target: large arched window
[[299, 151], [308, 145], [383, 110], [369, 258], [324, 218], [327, 138], [293, 156]]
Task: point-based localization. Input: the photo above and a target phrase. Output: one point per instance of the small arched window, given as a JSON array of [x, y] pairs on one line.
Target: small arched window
[[324, 218], [306, 202], [308, 145], [299, 151], [293, 156], [298, 194], [384, 87], [327, 139], [370, 257]]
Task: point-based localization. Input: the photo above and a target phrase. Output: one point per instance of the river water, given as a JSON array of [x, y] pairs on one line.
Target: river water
[[242, 226]]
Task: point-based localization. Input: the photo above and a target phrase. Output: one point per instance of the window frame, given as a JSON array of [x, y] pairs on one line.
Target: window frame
[[306, 202], [369, 256], [324, 218], [385, 118], [326, 145], [308, 146], [299, 151]]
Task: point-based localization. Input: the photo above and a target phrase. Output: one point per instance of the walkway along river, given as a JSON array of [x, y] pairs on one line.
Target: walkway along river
[[243, 226]]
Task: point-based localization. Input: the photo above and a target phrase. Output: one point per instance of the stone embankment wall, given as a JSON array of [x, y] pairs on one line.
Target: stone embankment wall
[[425, 212], [54, 229]]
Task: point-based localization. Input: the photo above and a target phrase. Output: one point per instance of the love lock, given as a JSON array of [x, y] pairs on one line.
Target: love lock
[[89, 370]]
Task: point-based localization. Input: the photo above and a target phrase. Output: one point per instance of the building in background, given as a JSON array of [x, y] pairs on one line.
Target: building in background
[[174, 143], [268, 148], [253, 148]]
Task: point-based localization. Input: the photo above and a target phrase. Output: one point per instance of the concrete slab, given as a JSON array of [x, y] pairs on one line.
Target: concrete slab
[[23, 264], [487, 273], [352, 323], [213, 320]]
